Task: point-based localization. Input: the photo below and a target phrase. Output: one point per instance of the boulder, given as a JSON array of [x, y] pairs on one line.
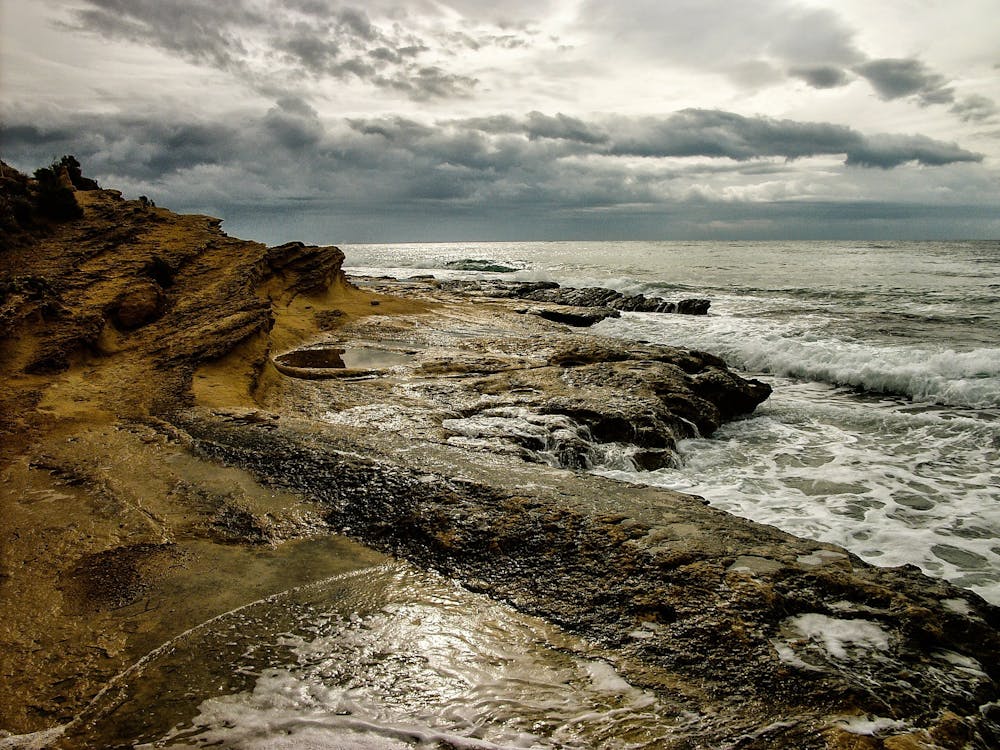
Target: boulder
[[693, 306], [578, 317], [142, 303]]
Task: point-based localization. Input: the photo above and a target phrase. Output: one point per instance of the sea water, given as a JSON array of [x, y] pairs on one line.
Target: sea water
[[883, 431]]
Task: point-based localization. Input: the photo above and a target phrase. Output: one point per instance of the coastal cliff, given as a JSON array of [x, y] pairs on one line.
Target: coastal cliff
[[191, 422]]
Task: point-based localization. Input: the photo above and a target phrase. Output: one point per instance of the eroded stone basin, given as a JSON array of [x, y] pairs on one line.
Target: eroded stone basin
[[330, 361]]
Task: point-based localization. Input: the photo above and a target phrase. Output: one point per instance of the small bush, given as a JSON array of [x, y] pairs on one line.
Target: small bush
[[55, 200]]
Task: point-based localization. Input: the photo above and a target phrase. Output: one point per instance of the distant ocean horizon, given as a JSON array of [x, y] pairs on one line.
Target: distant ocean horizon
[[883, 433]]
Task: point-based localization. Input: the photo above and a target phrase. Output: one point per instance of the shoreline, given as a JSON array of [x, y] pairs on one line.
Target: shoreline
[[122, 520]]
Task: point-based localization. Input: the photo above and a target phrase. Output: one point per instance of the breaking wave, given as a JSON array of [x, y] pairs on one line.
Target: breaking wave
[[942, 377], [937, 376]]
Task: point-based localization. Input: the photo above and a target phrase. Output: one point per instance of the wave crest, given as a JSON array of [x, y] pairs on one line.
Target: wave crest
[[938, 376], [944, 377]]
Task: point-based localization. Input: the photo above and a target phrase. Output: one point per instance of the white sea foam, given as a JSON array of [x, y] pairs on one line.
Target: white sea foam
[[801, 347], [840, 637], [890, 484], [871, 725]]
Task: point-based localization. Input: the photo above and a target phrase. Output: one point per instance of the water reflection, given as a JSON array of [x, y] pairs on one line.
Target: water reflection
[[389, 657]]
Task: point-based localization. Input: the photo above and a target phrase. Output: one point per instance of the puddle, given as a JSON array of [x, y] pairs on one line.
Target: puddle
[[326, 361]]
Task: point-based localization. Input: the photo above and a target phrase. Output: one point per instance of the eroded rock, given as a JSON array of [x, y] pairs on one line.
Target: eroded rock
[[599, 297], [142, 303]]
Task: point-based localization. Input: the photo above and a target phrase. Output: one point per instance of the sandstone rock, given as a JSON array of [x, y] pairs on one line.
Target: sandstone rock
[[310, 268], [142, 303]]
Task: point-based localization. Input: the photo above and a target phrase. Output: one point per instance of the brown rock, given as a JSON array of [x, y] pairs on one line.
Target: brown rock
[[142, 303]]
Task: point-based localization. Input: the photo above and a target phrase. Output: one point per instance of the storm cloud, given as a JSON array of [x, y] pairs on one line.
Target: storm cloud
[[821, 76], [274, 45], [893, 78], [646, 114], [555, 159]]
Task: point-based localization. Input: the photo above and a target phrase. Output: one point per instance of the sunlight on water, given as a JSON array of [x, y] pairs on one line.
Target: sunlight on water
[[386, 658]]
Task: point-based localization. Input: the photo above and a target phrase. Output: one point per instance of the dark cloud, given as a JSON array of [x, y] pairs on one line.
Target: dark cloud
[[887, 151], [895, 78], [289, 158], [699, 132], [201, 32], [821, 76], [276, 46], [538, 125], [976, 108], [712, 133], [294, 124]]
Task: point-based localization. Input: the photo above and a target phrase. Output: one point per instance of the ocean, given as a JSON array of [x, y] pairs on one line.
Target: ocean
[[883, 431]]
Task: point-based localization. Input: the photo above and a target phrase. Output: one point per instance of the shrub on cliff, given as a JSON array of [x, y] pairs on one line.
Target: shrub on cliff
[[56, 199], [16, 206]]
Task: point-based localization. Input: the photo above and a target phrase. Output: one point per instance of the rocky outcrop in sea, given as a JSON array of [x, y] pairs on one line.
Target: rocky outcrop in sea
[[579, 307]]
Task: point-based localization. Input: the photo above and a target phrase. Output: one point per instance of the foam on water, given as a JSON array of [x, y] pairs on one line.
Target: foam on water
[[890, 482], [838, 636], [801, 347]]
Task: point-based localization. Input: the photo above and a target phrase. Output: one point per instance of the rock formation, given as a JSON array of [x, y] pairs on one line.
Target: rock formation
[[150, 447], [588, 297]]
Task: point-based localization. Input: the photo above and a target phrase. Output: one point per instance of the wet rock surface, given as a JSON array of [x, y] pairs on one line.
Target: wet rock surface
[[760, 631]]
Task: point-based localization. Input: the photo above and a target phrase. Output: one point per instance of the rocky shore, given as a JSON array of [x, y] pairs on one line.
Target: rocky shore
[[192, 422]]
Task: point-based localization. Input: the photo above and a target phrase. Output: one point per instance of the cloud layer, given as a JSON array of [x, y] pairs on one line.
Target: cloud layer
[[465, 164], [276, 46], [461, 109]]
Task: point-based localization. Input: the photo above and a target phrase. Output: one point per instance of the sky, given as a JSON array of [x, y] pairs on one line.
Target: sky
[[393, 121]]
